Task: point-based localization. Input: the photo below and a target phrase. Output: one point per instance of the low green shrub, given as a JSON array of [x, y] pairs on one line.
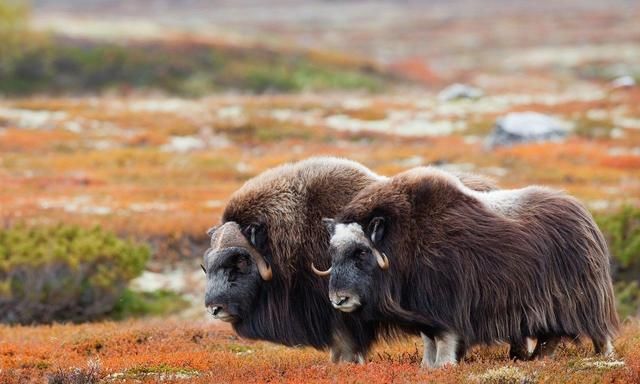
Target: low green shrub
[[62, 66], [138, 304], [628, 298], [622, 231], [64, 273]]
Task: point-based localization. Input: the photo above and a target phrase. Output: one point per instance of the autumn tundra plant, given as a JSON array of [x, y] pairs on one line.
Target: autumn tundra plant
[[64, 273], [622, 231], [475, 267], [259, 274]]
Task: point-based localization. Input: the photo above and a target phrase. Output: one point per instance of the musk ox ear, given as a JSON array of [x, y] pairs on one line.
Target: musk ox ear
[[329, 224], [376, 228]]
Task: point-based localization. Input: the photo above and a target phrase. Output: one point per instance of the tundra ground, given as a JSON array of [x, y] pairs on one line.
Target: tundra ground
[[206, 352]]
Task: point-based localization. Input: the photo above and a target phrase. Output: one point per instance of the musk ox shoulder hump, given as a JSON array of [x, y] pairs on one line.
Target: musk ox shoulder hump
[[502, 201], [328, 164]]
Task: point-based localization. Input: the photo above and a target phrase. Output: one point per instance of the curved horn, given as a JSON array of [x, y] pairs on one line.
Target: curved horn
[[319, 272], [230, 235], [381, 258], [263, 267]]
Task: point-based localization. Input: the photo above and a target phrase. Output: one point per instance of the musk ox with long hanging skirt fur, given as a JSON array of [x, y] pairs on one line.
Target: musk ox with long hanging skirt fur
[[489, 266], [258, 267]]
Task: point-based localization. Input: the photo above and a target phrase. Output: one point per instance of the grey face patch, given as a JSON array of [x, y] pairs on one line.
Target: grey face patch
[[346, 234], [348, 283]]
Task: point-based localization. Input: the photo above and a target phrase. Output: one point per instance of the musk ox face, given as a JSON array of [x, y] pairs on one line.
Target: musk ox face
[[355, 263], [235, 269]]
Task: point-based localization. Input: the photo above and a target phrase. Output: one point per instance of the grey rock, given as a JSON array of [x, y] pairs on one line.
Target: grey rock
[[525, 127], [623, 82]]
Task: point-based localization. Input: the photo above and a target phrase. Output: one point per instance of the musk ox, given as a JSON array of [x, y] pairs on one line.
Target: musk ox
[[481, 266], [258, 269]]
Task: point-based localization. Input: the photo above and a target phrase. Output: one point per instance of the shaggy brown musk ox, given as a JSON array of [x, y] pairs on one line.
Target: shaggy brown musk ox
[[489, 266], [258, 267]]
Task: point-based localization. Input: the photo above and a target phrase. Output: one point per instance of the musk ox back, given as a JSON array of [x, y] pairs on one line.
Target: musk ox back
[[490, 266], [258, 267]]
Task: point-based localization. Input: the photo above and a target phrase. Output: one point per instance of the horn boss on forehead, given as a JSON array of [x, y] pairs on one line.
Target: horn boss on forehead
[[230, 235]]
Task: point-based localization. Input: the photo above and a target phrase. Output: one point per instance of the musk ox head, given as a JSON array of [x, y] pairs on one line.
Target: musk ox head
[[366, 238], [355, 262], [235, 267]]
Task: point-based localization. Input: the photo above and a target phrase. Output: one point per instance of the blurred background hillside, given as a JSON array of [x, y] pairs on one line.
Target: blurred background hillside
[[126, 125]]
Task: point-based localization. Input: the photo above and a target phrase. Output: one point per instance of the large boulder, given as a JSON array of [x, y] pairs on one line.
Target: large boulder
[[525, 127]]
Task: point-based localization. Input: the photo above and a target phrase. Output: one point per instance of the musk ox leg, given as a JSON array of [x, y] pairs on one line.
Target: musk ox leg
[[343, 349], [448, 349], [546, 346], [340, 356], [430, 351], [518, 350], [603, 347]]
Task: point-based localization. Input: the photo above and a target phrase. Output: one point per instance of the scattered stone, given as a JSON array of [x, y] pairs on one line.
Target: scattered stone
[[455, 167], [151, 281], [79, 204], [598, 205], [616, 133], [183, 144], [525, 127], [399, 123], [460, 91], [495, 171], [30, 119], [410, 162]]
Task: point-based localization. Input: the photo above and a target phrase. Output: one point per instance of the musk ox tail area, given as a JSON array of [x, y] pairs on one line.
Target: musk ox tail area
[[578, 265]]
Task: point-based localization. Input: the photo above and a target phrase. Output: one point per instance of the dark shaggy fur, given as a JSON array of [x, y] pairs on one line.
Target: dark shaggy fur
[[492, 266], [288, 203]]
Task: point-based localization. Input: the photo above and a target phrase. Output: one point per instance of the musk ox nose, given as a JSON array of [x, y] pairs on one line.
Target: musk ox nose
[[215, 310], [344, 301], [341, 300]]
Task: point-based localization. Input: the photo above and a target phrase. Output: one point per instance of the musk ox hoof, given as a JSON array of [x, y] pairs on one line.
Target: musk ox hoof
[[337, 356], [604, 348], [444, 364]]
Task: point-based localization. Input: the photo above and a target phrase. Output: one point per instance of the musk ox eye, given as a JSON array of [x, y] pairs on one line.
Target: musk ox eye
[[242, 265], [360, 254]]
